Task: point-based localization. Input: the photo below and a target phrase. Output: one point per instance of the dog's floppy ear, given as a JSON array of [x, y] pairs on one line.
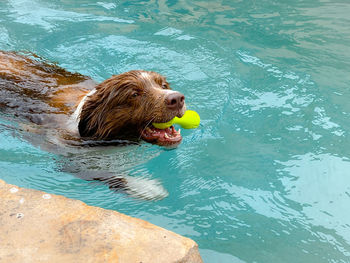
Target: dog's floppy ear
[[110, 109], [95, 116]]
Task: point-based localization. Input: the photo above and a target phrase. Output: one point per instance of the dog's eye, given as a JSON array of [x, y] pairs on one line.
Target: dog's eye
[[134, 95], [164, 86]]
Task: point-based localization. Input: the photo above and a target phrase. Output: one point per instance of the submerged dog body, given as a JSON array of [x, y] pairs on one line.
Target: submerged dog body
[[121, 107], [52, 102]]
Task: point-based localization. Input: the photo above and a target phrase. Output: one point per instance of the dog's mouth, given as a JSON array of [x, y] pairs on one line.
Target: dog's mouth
[[162, 137]]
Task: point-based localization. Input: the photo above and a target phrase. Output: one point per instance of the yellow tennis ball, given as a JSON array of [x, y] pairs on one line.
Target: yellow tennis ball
[[190, 120]]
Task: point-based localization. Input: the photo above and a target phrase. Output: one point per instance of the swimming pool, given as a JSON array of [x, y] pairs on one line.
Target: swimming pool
[[266, 178]]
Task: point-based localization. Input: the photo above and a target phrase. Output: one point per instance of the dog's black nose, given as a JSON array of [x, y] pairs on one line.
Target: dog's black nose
[[175, 101]]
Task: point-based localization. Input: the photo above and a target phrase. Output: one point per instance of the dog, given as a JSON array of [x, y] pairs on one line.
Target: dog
[[72, 109]]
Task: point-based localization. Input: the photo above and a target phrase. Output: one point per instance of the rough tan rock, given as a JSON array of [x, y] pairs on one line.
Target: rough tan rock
[[40, 227]]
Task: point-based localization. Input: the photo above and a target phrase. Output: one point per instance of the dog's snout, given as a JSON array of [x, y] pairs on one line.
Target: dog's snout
[[175, 101]]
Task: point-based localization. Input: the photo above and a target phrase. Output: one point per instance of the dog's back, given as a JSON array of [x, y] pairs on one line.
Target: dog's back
[[33, 89]]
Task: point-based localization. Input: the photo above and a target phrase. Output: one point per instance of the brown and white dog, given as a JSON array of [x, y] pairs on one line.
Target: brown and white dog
[[47, 99], [121, 107]]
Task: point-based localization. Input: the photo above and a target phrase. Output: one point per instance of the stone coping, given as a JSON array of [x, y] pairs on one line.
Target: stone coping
[[39, 227]]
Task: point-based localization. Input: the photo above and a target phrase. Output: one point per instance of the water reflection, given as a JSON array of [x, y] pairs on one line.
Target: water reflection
[[320, 183]]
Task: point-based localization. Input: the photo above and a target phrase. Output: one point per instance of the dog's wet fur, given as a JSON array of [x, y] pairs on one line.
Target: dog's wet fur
[[71, 108]]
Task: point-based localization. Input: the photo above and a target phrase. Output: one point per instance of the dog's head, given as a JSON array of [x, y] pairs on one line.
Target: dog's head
[[126, 105]]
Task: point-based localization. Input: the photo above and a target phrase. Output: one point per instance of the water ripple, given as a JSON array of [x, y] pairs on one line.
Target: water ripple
[[33, 13]]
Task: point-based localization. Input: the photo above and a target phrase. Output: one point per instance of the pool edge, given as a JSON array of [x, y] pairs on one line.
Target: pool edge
[[37, 226]]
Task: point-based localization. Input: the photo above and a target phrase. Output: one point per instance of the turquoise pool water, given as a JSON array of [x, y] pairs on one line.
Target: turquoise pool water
[[266, 178]]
